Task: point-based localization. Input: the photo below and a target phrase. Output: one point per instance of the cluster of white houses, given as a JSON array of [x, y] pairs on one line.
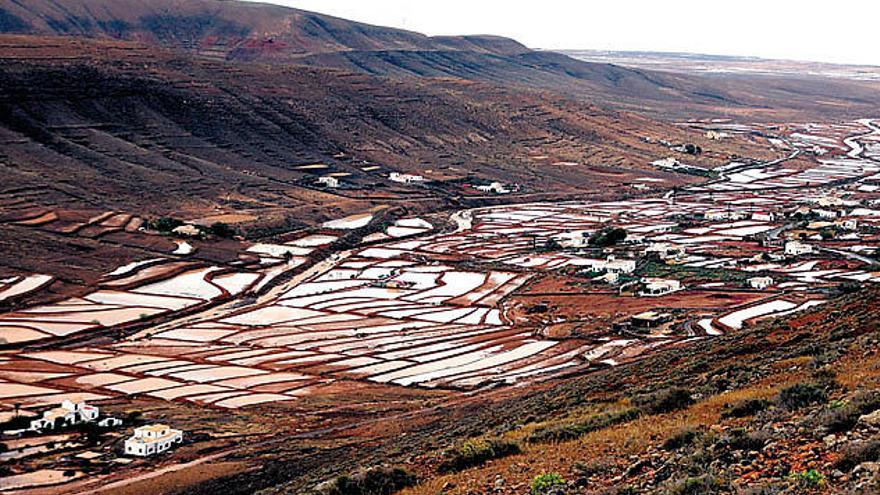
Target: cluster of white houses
[[146, 441], [69, 414]]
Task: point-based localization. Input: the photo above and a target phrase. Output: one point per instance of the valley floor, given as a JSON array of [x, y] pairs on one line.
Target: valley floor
[[335, 339]]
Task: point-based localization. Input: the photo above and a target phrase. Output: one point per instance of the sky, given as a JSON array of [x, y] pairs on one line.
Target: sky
[[840, 31]]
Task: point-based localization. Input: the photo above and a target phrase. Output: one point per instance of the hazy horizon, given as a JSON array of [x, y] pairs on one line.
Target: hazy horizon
[[777, 30]]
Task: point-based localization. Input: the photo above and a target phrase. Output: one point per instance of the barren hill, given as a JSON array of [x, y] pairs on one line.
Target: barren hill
[[240, 31], [124, 125]]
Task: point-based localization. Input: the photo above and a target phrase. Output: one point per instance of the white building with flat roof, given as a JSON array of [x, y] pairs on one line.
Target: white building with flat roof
[[152, 439], [797, 248], [67, 414], [659, 286], [760, 283], [495, 187], [405, 178], [328, 181]]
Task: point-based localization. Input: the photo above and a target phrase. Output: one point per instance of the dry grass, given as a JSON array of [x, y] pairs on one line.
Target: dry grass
[[614, 444]]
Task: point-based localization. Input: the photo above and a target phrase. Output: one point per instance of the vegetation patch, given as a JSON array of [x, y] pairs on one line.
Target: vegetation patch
[[843, 417], [801, 395], [475, 453], [548, 484], [570, 431], [745, 408], [374, 481], [681, 439], [856, 453], [663, 401]]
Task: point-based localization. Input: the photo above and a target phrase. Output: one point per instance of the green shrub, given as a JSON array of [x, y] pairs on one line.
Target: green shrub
[[165, 224], [745, 408], [810, 478], [607, 237], [547, 483], [854, 454], [475, 453], [375, 481], [801, 395], [663, 401], [571, 431], [221, 229]]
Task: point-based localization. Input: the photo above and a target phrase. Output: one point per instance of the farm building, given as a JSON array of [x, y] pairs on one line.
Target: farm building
[[664, 250], [760, 283], [612, 265], [495, 187], [152, 439], [574, 239], [797, 248], [650, 319], [659, 286], [405, 178], [67, 414], [764, 216], [187, 231], [328, 181], [826, 214]]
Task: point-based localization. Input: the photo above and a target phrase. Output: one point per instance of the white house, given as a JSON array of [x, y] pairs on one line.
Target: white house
[[573, 239], [716, 135], [797, 248], [826, 214], [829, 201], [67, 414], [612, 265], [152, 439], [328, 181], [659, 286], [664, 250], [495, 187], [760, 283], [763, 216], [668, 162], [405, 178], [187, 230]]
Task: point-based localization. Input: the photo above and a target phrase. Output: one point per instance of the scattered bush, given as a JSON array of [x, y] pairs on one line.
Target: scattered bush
[[165, 224], [845, 417], [221, 229], [477, 452], [810, 478], [856, 453], [570, 431], [586, 470], [748, 407], [742, 439], [695, 485], [681, 439], [547, 484], [663, 401], [801, 395], [375, 481]]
